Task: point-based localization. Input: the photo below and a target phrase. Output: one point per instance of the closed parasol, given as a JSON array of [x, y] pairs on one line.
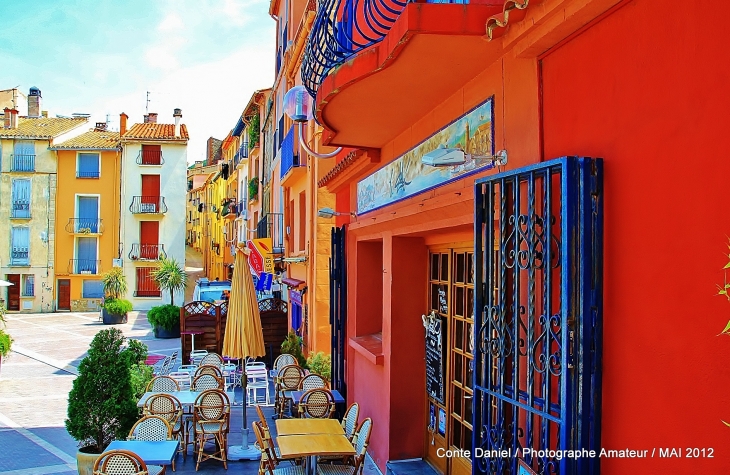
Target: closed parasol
[[243, 337]]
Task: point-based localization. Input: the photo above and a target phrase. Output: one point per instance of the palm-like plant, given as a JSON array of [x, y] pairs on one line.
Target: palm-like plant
[[115, 283], [170, 276]]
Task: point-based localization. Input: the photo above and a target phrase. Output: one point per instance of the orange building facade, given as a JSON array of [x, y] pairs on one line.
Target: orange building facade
[[87, 214], [635, 83]]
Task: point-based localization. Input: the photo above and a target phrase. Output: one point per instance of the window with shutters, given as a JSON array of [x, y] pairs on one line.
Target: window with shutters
[[88, 165], [28, 285], [146, 285], [20, 246], [20, 206]]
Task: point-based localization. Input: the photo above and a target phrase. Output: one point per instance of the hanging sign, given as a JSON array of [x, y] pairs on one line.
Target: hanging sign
[[295, 297], [435, 361], [255, 259], [264, 282], [265, 247]]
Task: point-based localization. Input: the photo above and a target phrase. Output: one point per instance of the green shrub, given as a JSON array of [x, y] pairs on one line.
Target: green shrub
[[253, 131], [5, 343], [117, 306], [253, 188], [164, 316], [101, 404], [293, 346], [320, 364], [140, 375]]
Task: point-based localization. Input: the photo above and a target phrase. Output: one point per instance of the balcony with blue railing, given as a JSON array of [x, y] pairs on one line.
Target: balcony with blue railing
[[22, 162], [241, 155], [290, 165], [402, 60]]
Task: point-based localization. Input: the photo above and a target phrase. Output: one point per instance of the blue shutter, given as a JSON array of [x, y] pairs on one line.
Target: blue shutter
[[21, 199], [19, 254], [88, 165], [88, 214], [86, 255]]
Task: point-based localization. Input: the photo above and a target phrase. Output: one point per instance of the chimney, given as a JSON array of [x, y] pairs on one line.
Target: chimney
[[6, 117], [177, 115], [34, 102], [122, 123], [100, 127], [13, 113], [152, 118]]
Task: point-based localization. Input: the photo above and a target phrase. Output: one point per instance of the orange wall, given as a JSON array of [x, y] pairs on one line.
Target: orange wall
[[662, 132], [107, 186]]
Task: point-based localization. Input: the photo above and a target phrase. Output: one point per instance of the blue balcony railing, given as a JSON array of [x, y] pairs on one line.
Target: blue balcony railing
[[288, 159], [342, 28]]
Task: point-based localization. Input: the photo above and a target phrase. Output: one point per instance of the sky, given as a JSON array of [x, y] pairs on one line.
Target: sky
[[101, 57]]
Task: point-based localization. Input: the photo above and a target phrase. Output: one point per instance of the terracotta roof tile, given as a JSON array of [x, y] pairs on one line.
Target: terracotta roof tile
[[513, 10], [156, 132], [41, 127], [92, 140]]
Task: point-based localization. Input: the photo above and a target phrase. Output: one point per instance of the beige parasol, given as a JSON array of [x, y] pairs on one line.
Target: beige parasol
[[243, 337]]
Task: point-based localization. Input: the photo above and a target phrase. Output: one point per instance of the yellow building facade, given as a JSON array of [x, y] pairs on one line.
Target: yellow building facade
[[28, 183], [87, 217]]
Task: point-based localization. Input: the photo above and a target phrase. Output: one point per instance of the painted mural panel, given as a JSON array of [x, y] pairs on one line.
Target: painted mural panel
[[407, 176]]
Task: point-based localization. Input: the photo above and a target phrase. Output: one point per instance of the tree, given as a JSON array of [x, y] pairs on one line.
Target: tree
[[170, 276], [101, 404], [115, 283]]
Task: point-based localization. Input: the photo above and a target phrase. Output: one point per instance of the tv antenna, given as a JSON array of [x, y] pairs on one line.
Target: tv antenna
[[147, 106]]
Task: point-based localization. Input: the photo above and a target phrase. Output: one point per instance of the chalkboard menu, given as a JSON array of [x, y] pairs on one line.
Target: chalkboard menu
[[435, 361]]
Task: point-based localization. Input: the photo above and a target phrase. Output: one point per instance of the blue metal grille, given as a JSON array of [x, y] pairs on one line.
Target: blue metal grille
[[538, 312]]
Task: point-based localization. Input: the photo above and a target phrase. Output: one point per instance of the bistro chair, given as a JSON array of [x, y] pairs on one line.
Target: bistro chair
[[267, 464], [169, 408], [349, 425], [288, 380], [152, 428], [120, 462], [215, 370], [313, 381], [212, 359], [360, 442], [318, 403], [284, 359], [162, 384], [210, 422], [207, 381]]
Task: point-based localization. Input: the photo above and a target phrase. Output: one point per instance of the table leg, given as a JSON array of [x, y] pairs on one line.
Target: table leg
[[192, 342], [312, 465]]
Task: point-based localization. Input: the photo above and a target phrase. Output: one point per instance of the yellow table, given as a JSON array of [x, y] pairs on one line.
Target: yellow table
[[308, 426], [312, 445]]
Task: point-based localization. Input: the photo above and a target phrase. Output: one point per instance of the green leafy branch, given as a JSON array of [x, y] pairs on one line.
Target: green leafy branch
[[723, 290]]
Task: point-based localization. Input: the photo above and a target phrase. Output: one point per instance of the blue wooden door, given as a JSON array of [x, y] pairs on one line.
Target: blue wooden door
[[538, 310], [86, 255]]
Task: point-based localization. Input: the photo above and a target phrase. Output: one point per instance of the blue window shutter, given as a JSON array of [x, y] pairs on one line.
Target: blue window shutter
[[88, 213], [86, 254], [88, 165]]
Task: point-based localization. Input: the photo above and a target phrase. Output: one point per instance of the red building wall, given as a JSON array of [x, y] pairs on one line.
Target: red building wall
[[646, 88]]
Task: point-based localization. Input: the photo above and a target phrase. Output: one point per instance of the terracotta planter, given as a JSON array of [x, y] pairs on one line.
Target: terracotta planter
[[113, 318], [85, 461], [160, 332]]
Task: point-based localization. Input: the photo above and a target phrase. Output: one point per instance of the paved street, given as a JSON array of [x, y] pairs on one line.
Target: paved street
[[36, 379]]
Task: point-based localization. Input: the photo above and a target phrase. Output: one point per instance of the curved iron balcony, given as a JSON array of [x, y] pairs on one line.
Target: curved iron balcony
[[147, 252], [84, 226], [148, 205], [84, 266], [150, 157], [341, 29]]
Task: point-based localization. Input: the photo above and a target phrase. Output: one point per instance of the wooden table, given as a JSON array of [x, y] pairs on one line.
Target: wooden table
[[312, 445], [153, 453], [308, 426]]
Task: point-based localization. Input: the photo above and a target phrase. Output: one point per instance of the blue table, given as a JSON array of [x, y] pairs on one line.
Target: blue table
[[296, 396], [185, 397], [153, 453]]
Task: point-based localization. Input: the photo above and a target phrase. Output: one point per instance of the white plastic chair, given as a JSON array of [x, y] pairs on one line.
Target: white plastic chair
[[197, 355], [257, 377], [183, 379]]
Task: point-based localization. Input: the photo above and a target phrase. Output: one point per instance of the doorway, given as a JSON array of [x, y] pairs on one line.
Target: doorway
[[14, 292], [64, 294], [449, 408]]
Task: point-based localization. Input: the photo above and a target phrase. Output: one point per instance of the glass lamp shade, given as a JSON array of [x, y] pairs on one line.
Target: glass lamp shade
[[298, 104]]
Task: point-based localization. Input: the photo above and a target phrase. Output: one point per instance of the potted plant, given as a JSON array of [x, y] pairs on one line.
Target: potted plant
[[170, 276], [165, 321], [293, 346], [114, 309], [321, 364], [101, 404], [5, 341]]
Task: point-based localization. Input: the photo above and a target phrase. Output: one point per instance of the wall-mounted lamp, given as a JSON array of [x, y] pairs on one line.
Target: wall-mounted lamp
[[298, 106], [329, 212], [446, 157]]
